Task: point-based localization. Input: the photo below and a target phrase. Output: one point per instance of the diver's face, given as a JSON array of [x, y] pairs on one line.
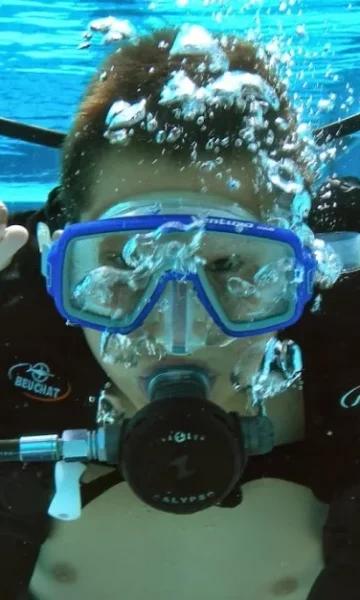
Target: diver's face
[[120, 178]]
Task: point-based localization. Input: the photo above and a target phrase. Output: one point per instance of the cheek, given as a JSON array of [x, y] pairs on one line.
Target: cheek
[[248, 356], [116, 372], [93, 340], [243, 355]]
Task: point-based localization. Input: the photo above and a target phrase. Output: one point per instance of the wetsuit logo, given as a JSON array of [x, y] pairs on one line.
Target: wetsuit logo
[[351, 399], [38, 382]]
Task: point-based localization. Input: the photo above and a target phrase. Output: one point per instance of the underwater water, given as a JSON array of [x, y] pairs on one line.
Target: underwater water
[[271, 546], [46, 63]]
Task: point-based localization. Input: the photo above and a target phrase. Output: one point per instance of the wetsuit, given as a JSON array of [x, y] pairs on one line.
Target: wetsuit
[[47, 375]]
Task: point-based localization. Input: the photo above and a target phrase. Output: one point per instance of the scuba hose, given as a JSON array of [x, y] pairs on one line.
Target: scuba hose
[[180, 453], [55, 139]]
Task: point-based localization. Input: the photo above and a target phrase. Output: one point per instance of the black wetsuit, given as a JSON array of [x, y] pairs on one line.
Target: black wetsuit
[[47, 375]]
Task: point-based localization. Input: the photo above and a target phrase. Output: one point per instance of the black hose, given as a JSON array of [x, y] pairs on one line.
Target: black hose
[[32, 134], [10, 450], [337, 129], [55, 139]]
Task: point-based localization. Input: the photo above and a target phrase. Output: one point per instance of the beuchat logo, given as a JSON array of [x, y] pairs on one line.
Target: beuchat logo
[[36, 381]]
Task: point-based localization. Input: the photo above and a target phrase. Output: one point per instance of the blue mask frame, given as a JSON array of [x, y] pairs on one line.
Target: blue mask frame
[[53, 262]]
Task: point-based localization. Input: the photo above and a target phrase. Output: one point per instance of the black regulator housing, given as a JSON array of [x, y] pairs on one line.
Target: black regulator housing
[[182, 453]]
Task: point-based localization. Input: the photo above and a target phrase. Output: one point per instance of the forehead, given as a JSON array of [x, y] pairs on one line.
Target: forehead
[[120, 176]]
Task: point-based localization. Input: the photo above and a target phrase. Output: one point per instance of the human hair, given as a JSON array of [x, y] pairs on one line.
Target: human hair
[[140, 70]]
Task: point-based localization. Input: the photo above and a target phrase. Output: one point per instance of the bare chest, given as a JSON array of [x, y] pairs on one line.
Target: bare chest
[[269, 547]]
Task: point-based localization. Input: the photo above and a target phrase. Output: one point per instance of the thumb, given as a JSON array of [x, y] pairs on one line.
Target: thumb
[[15, 237]]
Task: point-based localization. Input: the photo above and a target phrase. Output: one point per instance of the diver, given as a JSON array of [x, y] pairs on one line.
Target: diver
[[146, 311]]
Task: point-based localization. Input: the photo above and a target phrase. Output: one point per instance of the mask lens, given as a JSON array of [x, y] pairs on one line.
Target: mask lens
[[110, 277], [102, 284], [249, 278]]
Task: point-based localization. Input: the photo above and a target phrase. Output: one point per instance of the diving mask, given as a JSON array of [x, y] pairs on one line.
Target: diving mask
[[191, 264]]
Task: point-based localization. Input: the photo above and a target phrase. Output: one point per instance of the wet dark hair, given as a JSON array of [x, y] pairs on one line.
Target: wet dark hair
[[137, 71]]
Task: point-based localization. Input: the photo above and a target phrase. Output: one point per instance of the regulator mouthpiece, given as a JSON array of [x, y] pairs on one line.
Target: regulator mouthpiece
[[182, 453], [168, 383]]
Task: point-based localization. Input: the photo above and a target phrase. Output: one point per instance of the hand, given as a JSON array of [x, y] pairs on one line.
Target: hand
[[11, 238]]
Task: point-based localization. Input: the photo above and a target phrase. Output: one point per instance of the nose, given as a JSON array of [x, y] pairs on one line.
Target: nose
[[181, 320]]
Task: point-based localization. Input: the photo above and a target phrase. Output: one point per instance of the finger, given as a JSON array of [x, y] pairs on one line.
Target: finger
[[43, 236], [3, 218], [15, 237]]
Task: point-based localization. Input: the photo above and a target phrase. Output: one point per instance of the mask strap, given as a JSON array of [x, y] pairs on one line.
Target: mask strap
[[346, 245]]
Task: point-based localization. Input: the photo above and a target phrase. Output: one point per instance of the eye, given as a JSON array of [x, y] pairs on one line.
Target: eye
[[111, 257], [228, 263]]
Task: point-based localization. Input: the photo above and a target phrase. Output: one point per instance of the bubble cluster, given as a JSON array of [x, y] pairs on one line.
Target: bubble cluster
[[111, 29], [280, 368], [195, 40], [284, 174], [243, 90], [151, 251], [116, 348], [120, 117], [221, 88], [329, 264]]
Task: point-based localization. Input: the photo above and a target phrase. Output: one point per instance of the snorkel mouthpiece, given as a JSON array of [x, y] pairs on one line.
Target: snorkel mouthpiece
[[182, 453]]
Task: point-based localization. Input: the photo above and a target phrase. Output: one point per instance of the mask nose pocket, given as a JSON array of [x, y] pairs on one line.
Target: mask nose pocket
[[184, 321]]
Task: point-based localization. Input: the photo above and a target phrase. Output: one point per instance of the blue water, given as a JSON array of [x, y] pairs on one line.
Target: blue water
[[44, 71]]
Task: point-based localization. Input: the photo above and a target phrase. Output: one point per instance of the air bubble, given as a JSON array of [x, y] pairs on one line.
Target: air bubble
[[151, 123], [160, 137], [300, 30], [208, 166], [174, 135], [240, 287], [270, 137], [210, 144], [281, 124], [233, 184], [267, 275], [119, 136], [326, 104]]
